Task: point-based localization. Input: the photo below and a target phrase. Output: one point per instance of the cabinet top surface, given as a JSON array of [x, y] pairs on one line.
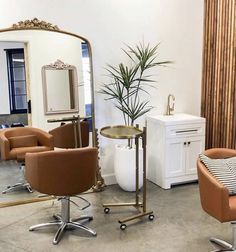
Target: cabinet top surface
[[178, 118]]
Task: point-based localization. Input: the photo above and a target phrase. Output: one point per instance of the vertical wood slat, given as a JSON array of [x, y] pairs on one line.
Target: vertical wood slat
[[233, 101], [218, 104], [217, 68], [214, 56]]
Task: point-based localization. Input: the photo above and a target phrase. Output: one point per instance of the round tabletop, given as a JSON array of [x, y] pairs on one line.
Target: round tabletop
[[121, 132]]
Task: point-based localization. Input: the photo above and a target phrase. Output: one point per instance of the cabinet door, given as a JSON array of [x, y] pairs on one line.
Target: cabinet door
[[175, 157], [195, 145]]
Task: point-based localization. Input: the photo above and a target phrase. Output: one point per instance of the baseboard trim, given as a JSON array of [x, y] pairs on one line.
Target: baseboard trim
[[109, 179]]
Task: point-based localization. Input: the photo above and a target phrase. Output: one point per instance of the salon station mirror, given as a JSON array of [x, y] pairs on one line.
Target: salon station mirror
[[46, 73], [60, 88]]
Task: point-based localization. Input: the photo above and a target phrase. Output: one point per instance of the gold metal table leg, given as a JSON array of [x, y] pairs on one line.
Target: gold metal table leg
[[123, 204], [75, 133], [136, 216], [79, 141], [144, 170], [137, 169]]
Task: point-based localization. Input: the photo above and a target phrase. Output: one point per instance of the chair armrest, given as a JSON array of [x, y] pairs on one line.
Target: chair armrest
[[214, 195], [5, 147], [44, 138]]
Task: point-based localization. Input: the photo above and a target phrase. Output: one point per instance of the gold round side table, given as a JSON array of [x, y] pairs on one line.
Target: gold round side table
[[130, 132]]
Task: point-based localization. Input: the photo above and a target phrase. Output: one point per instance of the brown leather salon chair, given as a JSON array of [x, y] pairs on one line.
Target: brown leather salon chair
[[64, 135], [62, 173], [215, 198], [16, 142]]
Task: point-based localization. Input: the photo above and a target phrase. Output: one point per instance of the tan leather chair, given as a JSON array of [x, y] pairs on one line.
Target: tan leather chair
[[64, 135], [16, 142], [62, 173], [215, 198]]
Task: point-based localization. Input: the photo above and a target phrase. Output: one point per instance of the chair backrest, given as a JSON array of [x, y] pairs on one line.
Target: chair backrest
[[213, 194], [64, 135], [63, 172], [24, 131]]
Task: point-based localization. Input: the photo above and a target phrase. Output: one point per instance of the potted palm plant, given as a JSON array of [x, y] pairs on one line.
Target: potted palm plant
[[127, 86]]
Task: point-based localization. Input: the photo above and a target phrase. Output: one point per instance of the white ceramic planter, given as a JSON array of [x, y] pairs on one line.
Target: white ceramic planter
[[124, 166]]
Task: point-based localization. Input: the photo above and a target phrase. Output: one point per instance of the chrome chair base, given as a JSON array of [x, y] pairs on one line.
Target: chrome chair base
[[221, 245], [64, 222], [18, 186], [63, 226]]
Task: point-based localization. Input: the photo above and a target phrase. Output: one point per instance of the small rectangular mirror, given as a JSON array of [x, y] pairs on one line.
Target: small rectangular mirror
[[60, 88]]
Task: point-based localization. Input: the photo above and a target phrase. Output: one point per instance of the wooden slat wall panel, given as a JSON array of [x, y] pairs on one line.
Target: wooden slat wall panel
[[218, 81]]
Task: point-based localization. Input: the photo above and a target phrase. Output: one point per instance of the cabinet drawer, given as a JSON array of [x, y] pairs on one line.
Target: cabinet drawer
[[197, 129]]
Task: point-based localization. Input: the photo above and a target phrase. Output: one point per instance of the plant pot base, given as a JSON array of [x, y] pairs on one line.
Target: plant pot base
[[125, 168]]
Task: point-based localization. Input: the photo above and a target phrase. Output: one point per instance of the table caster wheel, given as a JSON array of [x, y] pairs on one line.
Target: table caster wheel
[[151, 217], [123, 226], [106, 210]]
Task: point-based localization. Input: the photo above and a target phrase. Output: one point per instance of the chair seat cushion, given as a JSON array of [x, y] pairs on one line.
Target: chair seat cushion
[[20, 152], [224, 170], [23, 141]]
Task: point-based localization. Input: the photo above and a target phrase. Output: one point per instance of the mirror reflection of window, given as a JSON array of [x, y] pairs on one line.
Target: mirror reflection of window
[[17, 80]]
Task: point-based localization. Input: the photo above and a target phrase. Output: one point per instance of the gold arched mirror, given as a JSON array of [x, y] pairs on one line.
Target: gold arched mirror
[[25, 49]]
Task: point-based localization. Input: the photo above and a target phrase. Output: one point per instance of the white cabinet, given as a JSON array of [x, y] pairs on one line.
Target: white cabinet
[[173, 145]]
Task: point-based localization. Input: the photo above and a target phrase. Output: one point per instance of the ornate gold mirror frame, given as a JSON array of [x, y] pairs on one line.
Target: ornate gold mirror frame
[[36, 24]]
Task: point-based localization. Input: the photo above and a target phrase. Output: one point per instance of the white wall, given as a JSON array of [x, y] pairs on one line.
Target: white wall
[[108, 24], [4, 86]]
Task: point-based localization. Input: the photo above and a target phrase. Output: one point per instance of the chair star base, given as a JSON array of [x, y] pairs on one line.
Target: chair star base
[[221, 245], [21, 185], [64, 222], [17, 187], [63, 226]]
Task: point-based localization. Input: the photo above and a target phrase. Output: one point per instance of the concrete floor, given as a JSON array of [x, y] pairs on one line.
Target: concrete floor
[[10, 174], [180, 224]]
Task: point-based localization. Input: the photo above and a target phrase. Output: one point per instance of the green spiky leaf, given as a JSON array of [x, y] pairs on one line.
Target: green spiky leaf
[[128, 82]]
